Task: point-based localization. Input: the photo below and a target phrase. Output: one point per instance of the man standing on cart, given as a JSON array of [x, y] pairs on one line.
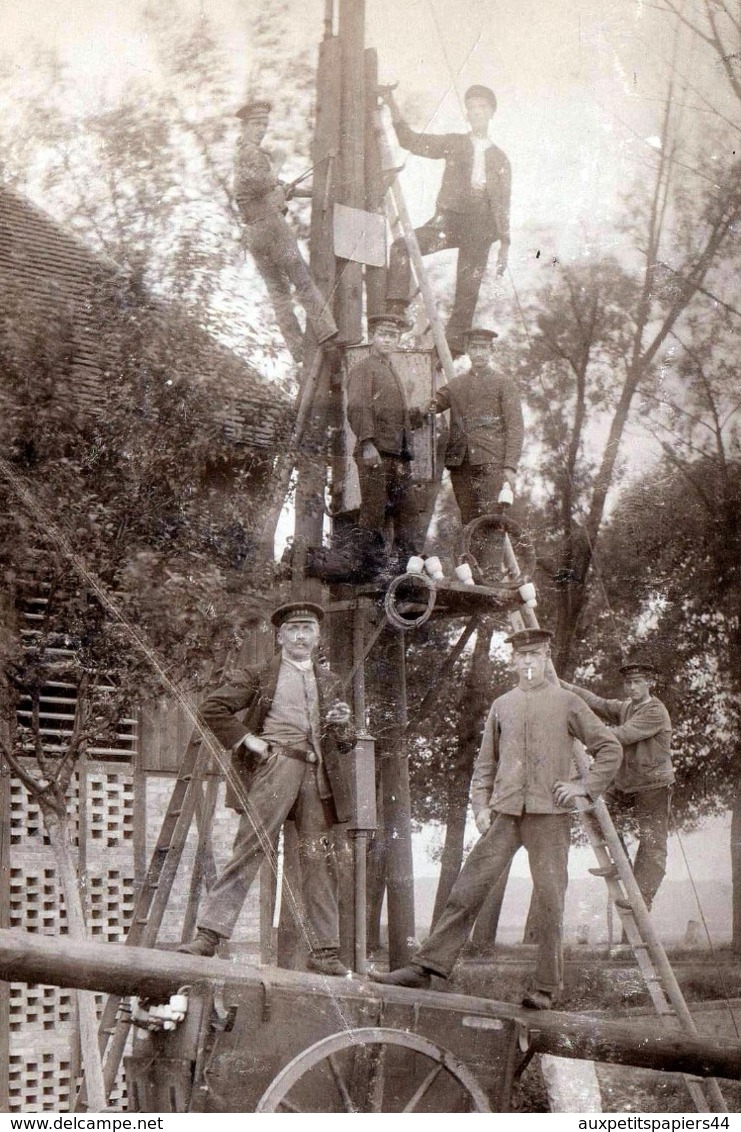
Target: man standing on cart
[[288, 760], [521, 793]]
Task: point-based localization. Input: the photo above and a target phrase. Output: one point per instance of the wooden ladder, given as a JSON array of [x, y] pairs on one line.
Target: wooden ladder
[[154, 894], [400, 222]]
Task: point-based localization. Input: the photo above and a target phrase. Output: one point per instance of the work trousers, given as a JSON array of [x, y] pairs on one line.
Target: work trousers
[[282, 787], [388, 493], [272, 244], [647, 811], [476, 488], [473, 233], [546, 838]]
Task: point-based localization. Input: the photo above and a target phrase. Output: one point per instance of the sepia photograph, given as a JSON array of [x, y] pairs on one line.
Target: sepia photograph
[[370, 558]]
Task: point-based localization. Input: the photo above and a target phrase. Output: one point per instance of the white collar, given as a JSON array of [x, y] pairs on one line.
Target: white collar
[[302, 665]]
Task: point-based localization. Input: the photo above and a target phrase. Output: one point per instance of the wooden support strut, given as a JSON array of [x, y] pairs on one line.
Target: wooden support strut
[[418, 267]]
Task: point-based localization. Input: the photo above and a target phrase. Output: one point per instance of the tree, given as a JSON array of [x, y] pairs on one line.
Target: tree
[[683, 577], [145, 176], [101, 509], [599, 335]]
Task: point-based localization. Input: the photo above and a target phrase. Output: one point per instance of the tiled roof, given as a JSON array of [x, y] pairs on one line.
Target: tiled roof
[[41, 259]]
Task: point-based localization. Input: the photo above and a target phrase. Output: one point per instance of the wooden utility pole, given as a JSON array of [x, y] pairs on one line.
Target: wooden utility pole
[[352, 159], [347, 171], [375, 187], [390, 688]]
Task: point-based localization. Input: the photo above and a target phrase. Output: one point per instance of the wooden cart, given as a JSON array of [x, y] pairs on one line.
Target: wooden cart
[[268, 1040]]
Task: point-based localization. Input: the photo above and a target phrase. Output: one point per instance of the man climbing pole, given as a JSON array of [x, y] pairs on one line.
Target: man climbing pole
[[472, 210], [379, 416], [486, 428], [269, 237]]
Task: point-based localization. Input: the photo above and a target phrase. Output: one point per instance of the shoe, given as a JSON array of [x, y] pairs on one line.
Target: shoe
[[538, 1000], [204, 943], [416, 977], [327, 963], [623, 904]]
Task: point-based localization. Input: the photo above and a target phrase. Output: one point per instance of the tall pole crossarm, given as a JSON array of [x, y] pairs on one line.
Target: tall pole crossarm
[[415, 255]]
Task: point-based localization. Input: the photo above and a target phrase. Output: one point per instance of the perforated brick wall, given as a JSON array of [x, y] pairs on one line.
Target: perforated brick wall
[[43, 1018]]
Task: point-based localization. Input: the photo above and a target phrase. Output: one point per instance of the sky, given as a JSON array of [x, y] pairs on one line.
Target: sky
[[580, 85]]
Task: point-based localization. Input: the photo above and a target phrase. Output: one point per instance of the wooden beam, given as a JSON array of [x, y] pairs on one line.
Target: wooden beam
[[352, 159], [390, 687], [375, 185], [121, 970]]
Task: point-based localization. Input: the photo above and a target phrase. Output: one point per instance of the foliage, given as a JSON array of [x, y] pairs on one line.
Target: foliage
[[142, 489], [659, 570], [144, 173]]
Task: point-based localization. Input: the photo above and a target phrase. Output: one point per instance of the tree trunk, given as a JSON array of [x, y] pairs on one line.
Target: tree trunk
[[736, 869], [97, 1100], [452, 854], [472, 707], [376, 876]]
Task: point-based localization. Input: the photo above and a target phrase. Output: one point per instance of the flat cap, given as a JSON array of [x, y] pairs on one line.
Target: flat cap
[[529, 637], [479, 334], [479, 91], [255, 108], [390, 318], [639, 666], [296, 611]]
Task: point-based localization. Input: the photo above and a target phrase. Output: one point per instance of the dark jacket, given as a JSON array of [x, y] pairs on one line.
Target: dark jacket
[[256, 186], [486, 424], [455, 191], [528, 745], [377, 408], [645, 732], [252, 693]]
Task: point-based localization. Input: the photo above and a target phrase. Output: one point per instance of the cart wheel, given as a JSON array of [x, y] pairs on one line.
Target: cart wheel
[[366, 1071]]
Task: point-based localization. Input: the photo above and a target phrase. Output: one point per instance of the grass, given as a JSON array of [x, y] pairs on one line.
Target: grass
[[593, 982]]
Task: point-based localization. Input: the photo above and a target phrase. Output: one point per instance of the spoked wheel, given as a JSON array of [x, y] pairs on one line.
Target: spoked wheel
[[374, 1070]]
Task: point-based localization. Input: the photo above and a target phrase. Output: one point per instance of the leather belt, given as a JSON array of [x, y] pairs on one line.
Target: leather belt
[[294, 753]]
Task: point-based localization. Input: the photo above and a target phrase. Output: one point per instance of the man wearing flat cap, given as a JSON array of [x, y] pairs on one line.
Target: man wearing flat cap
[[486, 428], [521, 792], [472, 210], [379, 416], [643, 784], [269, 237], [287, 761]]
